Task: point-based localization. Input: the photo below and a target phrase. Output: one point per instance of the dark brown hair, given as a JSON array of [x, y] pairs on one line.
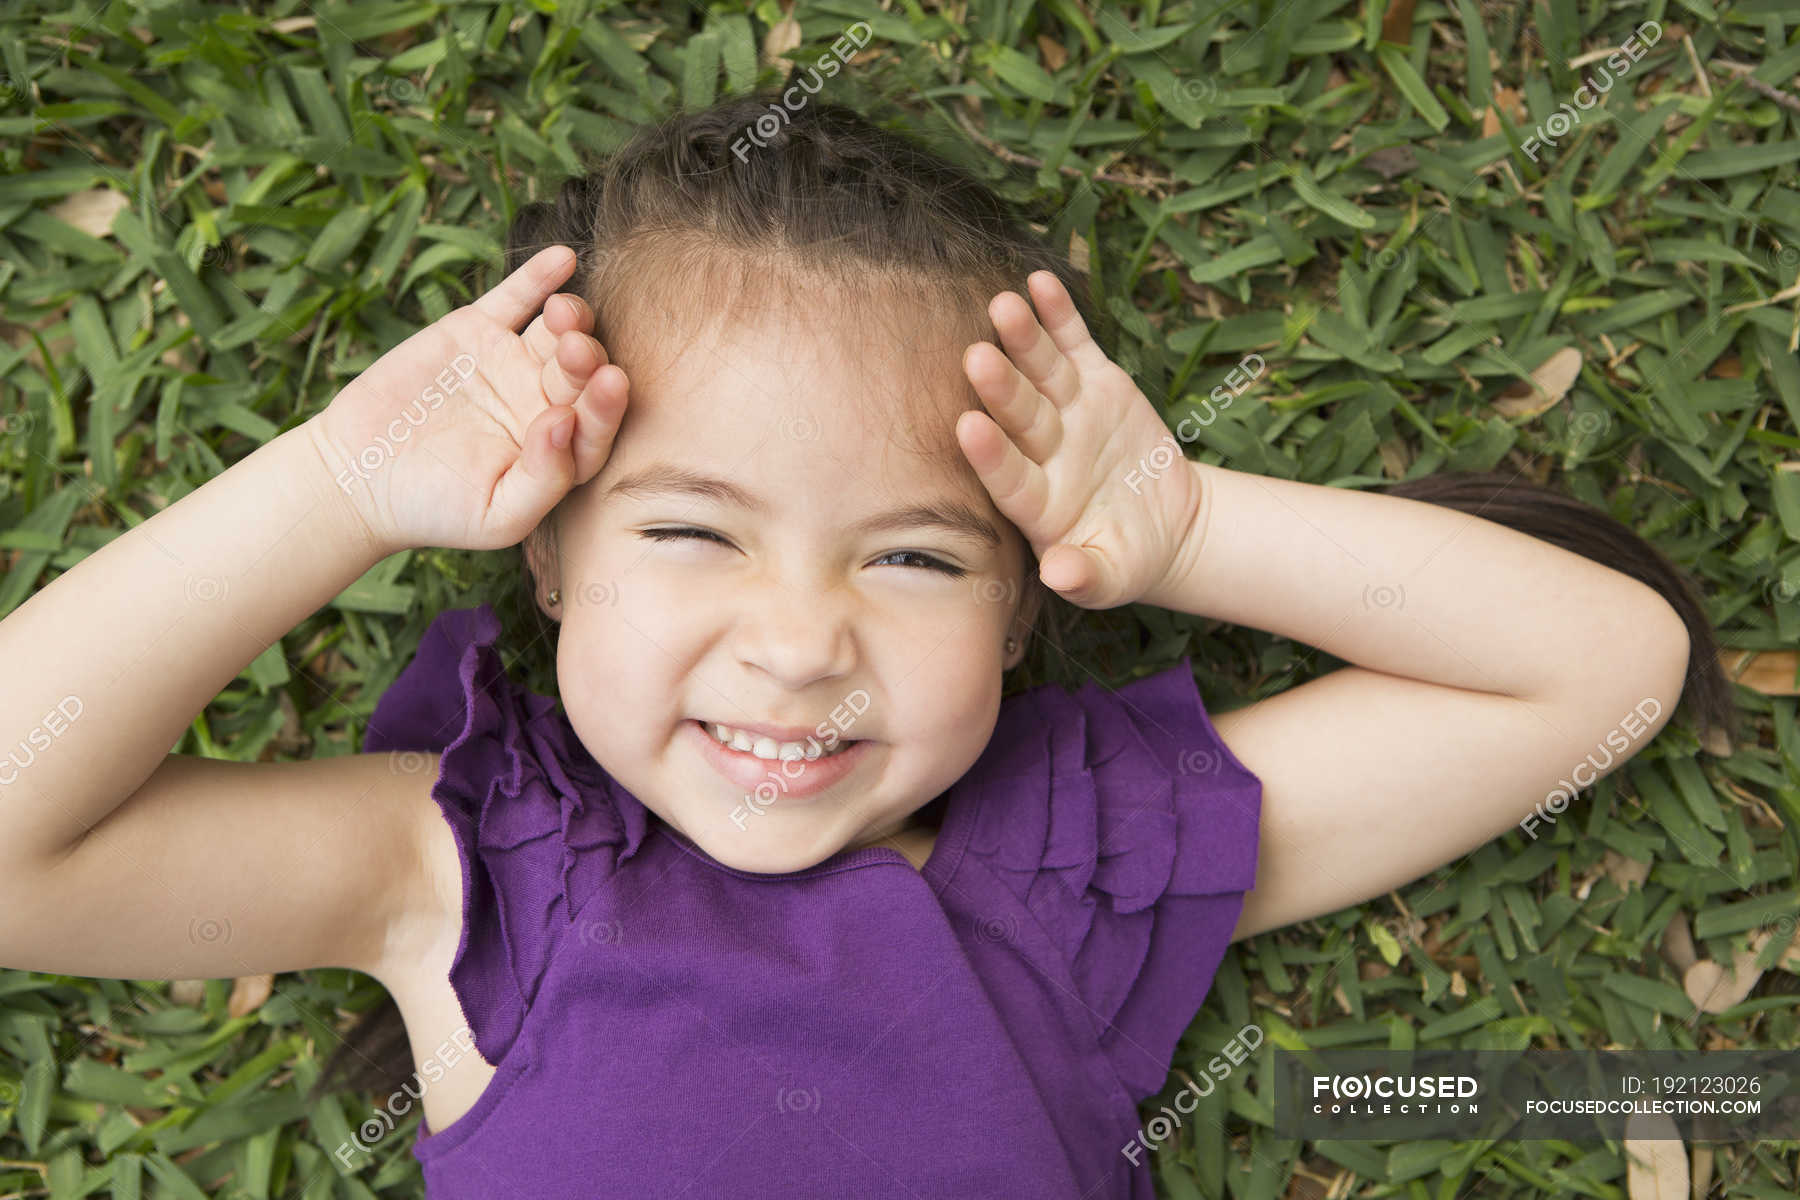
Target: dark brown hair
[[692, 216]]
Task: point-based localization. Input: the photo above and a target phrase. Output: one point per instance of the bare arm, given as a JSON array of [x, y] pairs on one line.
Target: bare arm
[[120, 859], [1489, 665], [214, 869], [110, 663]]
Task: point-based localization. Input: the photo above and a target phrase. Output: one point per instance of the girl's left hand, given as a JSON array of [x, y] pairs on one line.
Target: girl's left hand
[[1067, 455]]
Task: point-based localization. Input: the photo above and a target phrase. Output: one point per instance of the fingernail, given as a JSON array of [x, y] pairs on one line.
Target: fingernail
[[559, 437]]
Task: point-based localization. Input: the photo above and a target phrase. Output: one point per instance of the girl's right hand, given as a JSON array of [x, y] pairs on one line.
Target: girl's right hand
[[450, 438]]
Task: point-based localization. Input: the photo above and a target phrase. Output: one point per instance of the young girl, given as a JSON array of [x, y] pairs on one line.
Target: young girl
[[785, 899]]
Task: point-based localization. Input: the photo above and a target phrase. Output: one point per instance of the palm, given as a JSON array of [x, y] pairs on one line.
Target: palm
[[460, 435], [1076, 457], [431, 442]]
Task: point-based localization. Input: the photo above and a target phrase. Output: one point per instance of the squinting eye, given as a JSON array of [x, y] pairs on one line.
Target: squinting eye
[[930, 563], [685, 533], [681, 535]]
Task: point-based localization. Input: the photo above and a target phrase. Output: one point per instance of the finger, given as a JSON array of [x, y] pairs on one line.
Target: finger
[[1062, 320], [1026, 417], [1073, 573], [568, 370], [514, 300], [572, 313], [562, 312], [1032, 350], [539, 342], [540, 476], [600, 411], [1018, 485]]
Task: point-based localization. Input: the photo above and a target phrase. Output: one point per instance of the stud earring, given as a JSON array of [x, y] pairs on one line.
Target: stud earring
[[1012, 644], [554, 597]]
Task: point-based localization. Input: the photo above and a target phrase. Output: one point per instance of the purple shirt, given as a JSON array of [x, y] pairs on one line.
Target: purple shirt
[[665, 1025]]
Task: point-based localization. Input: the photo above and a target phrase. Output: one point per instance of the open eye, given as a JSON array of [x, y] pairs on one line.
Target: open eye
[[682, 533]]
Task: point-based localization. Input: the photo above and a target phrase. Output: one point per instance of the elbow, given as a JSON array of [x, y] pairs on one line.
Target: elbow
[[1660, 657], [1671, 649]]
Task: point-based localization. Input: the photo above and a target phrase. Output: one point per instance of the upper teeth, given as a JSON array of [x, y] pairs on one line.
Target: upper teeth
[[769, 748]]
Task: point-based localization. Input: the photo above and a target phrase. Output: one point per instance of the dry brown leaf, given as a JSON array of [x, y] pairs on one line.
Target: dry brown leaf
[[1678, 943], [1624, 871], [1397, 22], [1657, 1161], [639, 35], [1552, 379], [188, 991], [1785, 932], [1770, 672], [1394, 458], [1760, 939], [783, 36], [91, 211], [248, 992], [1490, 122], [1307, 1186], [1078, 251], [1511, 100], [1715, 988], [1053, 53], [1790, 959], [1702, 1171], [1390, 161]]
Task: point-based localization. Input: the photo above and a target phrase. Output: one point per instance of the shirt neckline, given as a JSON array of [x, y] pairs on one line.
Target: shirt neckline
[[940, 864]]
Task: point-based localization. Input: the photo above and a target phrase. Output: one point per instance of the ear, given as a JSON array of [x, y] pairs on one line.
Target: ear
[[1029, 611], [541, 559]]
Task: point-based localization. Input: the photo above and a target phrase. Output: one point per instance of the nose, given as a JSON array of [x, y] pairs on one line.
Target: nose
[[795, 634]]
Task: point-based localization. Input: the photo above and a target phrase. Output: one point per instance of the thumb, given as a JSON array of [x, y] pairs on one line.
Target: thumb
[[1069, 571], [542, 475]]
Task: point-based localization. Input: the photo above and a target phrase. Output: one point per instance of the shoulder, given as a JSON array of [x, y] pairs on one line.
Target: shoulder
[[515, 826], [1126, 831], [1128, 787]]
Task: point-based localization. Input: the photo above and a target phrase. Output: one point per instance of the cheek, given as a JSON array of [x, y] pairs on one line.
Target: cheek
[[949, 687], [604, 665]]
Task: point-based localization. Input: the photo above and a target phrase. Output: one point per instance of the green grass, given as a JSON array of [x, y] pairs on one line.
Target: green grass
[[1309, 180]]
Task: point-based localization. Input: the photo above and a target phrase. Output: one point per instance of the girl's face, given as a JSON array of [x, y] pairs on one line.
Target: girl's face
[[755, 553]]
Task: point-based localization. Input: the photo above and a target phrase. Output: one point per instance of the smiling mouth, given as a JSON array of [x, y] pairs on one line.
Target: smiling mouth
[[769, 749]]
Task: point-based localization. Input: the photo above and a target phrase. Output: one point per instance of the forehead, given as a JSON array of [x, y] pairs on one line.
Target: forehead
[[818, 396]]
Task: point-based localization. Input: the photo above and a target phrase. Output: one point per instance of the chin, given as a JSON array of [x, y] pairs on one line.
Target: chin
[[760, 852]]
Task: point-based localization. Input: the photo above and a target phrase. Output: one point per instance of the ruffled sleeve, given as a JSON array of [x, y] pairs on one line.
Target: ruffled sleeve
[[1129, 830], [534, 817]]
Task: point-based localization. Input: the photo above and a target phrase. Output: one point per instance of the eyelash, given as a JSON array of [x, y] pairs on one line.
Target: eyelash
[[687, 533]]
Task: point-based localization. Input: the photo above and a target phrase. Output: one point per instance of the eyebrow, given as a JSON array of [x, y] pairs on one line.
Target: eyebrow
[[667, 479]]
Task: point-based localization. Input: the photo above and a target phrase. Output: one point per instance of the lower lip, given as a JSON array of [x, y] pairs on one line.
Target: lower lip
[[793, 778]]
